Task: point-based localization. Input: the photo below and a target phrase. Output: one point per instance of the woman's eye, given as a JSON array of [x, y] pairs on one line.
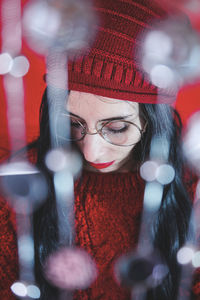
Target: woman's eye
[[116, 128]]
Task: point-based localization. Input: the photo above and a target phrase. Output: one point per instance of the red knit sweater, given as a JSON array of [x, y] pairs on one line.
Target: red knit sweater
[[8, 251], [107, 210]]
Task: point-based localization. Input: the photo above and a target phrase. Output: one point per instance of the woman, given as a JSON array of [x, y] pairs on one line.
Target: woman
[[110, 193], [114, 115]]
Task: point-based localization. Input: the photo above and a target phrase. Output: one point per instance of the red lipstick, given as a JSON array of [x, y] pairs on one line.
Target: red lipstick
[[102, 166]]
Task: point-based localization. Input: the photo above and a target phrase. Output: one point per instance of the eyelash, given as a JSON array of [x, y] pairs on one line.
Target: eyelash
[[121, 130], [112, 130], [75, 124]]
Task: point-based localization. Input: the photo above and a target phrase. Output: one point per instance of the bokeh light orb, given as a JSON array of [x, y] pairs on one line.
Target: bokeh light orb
[[56, 160], [19, 289], [60, 159], [170, 53], [71, 268], [165, 174], [33, 291], [148, 170], [64, 24], [151, 44], [185, 255], [22, 289], [20, 66], [164, 77]]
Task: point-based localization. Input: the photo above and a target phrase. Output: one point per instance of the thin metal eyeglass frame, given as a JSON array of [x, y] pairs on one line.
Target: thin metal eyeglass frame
[[99, 131]]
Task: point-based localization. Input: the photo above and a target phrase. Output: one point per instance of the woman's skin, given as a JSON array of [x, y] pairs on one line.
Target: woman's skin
[[97, 151]]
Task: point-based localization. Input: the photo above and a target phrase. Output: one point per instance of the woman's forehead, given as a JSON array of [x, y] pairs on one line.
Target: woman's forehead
[[85, 104]]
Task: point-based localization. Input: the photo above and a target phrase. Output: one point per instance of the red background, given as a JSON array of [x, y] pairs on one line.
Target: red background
[[187, 103]]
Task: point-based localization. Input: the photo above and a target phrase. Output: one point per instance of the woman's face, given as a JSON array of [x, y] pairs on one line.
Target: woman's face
[[100, 155]]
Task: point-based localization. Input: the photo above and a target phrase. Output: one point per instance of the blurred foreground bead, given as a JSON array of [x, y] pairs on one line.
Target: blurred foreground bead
[[191, 141], [58, 160], [65, 24], [165, 174], [148, 170], [188, 255], [25, 185], [71, 268], [33, 291], [20, 66], [151, 170], [185, 255], [156, 175], [19, 289], [17, 67], [171, 53], [144, 271], [22, 289]]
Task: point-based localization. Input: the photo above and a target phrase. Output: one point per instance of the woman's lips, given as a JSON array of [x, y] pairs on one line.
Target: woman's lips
[[102, 166]]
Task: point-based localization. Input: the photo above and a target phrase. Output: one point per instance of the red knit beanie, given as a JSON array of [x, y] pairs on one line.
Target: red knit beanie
[[110, 67]]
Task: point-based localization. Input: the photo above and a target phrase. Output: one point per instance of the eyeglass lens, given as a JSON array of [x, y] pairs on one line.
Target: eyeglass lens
[[121, 133]]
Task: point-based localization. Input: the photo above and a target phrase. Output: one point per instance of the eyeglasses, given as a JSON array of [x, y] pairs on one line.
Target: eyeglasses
[[117, 132]]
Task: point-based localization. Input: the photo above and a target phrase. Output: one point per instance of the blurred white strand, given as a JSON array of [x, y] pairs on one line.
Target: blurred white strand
[[11, 26], [6, 63], [196, 259], [191, 141]]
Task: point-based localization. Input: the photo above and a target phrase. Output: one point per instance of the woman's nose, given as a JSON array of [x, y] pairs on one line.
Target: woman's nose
[[92, 147]]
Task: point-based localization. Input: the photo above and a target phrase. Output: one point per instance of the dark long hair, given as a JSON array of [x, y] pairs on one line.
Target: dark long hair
[[168, 237]]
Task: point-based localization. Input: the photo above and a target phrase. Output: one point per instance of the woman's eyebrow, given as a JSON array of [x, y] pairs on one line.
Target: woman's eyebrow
[[107, 119], [116, 118], [75, 115]]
